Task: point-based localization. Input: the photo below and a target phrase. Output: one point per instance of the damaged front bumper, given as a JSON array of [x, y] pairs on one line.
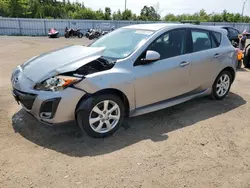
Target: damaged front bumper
[[51, 107]]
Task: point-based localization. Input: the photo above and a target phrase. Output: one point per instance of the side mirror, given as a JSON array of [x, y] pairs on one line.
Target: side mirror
[[151, 56]]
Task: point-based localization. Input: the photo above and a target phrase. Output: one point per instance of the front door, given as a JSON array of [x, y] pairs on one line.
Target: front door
[[168, 77]]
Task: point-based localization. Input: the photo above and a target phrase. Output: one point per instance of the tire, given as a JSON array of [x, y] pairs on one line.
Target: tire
[[80, 35], [246, 59], [99, 128], [217, 94], [91, 37]]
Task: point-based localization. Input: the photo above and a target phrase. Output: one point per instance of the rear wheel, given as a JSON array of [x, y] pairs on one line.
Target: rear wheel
[[222, 85], [101, 115]]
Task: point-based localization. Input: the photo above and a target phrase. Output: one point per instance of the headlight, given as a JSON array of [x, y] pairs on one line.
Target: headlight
[[57, 83]]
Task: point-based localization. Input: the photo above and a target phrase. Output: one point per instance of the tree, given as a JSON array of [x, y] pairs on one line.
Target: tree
[[157, 8], [117, 15], [127, 15], [100, 15], [107, 15], [4, 8], [170, 18], [149, 13], [75, 10]]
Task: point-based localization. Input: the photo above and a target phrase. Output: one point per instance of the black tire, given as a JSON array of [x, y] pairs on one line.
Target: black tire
[[84, 110], [80, 35], [91, 37], [246, 59], [214, 93]]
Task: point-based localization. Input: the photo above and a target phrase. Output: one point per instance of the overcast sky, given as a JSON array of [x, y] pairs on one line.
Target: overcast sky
[[172, 6]]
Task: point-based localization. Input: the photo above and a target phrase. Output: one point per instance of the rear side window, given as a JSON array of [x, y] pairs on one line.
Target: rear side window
[[201, 40], [233, 32], [217, 37]]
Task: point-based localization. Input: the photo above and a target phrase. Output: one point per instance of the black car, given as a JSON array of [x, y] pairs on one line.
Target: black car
[[232, 34]]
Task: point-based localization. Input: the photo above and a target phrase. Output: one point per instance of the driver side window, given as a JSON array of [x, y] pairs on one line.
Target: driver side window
[[170, 44]]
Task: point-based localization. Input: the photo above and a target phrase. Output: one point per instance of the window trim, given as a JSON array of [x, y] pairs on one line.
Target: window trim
[[218, 43], [138, 62]]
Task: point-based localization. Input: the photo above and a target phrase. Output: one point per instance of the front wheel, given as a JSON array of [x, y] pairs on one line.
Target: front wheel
[[80, 35], [222, 85], [100, 116]]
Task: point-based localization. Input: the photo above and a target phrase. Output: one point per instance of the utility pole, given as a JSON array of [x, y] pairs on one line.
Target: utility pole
[[243, 7], [125, 5]]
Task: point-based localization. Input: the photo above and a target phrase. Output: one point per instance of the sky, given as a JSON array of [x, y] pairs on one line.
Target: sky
[[171, 6]]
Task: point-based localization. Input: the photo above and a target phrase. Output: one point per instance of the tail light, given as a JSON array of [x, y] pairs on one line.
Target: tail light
[[239, 54]]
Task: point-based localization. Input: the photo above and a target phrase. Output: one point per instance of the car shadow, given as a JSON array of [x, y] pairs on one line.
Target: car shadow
[[69, 140], [243, 70]]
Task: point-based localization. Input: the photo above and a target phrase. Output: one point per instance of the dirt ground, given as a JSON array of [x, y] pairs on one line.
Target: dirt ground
[[199, 144]]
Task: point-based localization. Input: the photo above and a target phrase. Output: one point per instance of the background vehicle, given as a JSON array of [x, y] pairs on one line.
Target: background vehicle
[[96, 33], [53, 33], [195, 22], [87, 33], [132, 71], [233, 34], [73, 33], [246, 58]]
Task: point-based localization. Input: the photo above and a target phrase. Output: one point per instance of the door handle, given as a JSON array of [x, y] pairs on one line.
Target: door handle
[[184, 64], [216, 55]]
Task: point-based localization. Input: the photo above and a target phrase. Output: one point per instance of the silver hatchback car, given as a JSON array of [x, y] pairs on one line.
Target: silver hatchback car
[[131, 71]]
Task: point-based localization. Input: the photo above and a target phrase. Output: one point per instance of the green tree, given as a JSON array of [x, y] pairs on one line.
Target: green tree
[[107, 14], [100, 15], [4, 8], [149, 13], [117, 15], [127, 15], [76, 10]]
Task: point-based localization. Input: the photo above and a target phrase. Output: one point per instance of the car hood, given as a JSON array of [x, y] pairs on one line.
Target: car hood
[[62, 60]]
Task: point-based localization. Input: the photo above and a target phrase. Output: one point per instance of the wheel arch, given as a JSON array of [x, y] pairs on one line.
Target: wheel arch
[[229, 69], [113, 91]]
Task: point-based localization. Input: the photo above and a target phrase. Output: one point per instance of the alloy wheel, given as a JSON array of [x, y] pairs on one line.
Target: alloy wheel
[[223, 85], [104, 116]]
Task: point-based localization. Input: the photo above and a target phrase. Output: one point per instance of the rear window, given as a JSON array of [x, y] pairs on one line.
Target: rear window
[[217, 37]]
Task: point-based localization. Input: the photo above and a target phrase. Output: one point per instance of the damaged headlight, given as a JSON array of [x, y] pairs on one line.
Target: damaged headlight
[[57, 83]]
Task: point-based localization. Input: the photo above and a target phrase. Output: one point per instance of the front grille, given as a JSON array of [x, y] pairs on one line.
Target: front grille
[[27, 99]]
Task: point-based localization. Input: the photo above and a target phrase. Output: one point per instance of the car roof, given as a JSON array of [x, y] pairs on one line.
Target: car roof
[[159, 26], [152, 27]]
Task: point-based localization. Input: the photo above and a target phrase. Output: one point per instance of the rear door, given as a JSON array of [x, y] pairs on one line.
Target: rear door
[[204, 57]]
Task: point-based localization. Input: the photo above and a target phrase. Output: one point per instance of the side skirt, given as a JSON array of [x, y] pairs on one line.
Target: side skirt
[[167, 103]]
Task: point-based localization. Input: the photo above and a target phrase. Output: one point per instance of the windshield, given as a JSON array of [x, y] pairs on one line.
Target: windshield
[[122, 42]]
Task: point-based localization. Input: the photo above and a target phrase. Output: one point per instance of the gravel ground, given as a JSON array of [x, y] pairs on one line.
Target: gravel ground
[[202, 143]]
